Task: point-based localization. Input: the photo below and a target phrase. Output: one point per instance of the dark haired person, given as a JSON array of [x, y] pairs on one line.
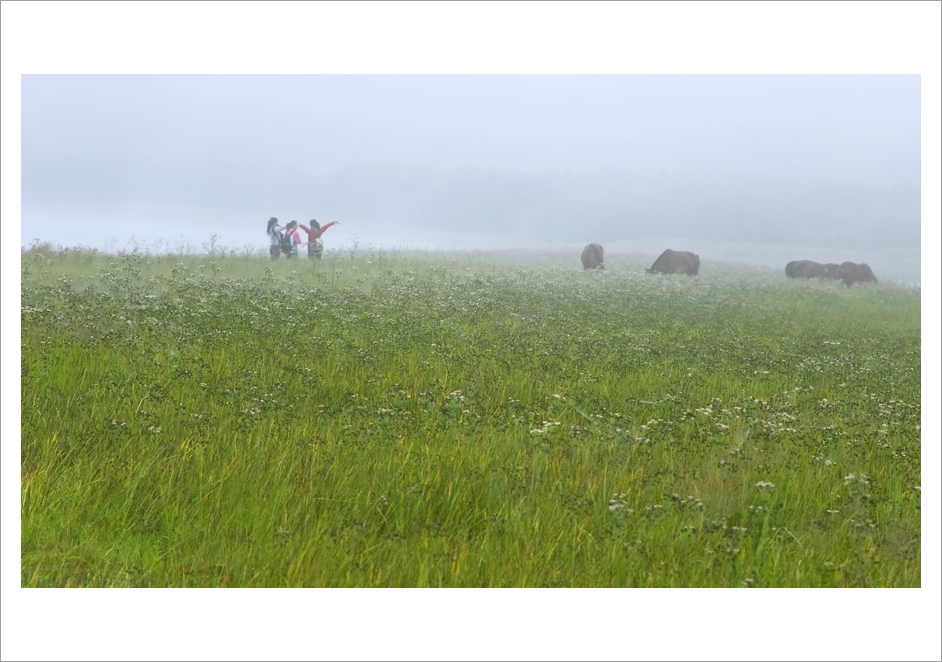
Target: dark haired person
[[291, 234], [274, 234], [315, 245]]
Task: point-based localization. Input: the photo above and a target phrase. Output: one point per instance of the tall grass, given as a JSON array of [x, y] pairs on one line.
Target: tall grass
[[412, 419]]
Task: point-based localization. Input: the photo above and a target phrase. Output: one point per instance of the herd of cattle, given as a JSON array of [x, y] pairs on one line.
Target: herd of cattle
[[685, 262], [849, 272]]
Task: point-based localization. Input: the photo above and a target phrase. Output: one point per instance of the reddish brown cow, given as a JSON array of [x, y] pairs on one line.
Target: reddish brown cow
[[673, 262], [592, 256], [852, 273]]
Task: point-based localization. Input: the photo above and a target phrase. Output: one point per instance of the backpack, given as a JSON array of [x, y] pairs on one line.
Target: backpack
[[286, 246]]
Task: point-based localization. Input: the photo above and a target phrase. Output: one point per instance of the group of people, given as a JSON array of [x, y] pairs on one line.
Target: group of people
[[287, 239]]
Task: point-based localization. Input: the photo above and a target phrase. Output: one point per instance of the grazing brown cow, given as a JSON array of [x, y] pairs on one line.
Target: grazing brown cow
[[592, 256], [809, 269], [673, 262], [852, 273]]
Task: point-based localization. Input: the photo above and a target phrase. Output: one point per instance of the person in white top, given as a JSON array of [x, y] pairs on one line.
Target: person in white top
[[275, 232]]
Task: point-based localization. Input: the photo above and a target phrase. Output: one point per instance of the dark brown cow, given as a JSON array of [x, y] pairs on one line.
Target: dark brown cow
[[673, 262], [809, 269], [851, 273], [592, 256]]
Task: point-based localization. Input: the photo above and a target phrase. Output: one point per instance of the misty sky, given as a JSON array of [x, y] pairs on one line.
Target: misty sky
[[484, 160]]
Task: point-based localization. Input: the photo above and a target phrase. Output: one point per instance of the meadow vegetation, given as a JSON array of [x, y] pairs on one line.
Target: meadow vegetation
[[414, 419]]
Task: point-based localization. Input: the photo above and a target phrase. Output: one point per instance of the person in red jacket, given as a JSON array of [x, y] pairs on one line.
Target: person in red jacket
[[315, 245]]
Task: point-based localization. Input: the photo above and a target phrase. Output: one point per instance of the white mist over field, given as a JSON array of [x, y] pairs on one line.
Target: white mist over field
[[818, 164]]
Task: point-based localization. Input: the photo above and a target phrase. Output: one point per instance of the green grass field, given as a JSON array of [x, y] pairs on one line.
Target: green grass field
[[408, 419]]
